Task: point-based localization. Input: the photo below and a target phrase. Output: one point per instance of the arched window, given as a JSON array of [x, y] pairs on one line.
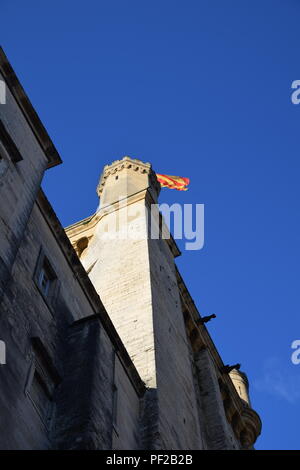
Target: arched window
[[81, 245]]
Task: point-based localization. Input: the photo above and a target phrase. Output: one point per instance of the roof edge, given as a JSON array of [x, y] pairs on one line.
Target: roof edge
[[31, 116]]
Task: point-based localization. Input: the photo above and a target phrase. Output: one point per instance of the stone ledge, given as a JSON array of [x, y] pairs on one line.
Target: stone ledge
[[31, 116]]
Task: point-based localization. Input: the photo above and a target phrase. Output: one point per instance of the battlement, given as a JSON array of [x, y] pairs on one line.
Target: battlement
[[124, 178]]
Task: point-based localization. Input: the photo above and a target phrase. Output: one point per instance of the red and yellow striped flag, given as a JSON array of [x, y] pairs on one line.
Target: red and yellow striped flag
[[173, 182]]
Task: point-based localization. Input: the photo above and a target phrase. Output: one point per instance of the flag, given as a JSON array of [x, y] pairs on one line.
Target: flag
[[173, 182]]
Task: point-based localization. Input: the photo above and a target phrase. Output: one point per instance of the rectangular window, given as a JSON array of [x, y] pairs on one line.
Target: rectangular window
[[42, 382], [41, 399], [46, 279]]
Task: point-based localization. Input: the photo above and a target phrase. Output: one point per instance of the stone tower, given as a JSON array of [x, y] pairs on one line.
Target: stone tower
[[136, 280], [138, 283], [240, 381]]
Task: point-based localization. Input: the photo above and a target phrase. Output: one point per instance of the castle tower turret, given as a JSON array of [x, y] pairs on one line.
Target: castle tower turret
[[190, 402], [241, 384], [124, 178], [135, 277]]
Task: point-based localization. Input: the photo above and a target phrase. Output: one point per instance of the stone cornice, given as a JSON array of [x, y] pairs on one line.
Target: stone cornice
[[132, 164], [16, 89], [89, 223]]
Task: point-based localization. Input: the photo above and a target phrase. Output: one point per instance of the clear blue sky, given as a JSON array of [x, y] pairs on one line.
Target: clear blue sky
[[200, 89]]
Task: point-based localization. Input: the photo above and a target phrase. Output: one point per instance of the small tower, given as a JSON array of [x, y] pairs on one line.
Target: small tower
[[241, 384]]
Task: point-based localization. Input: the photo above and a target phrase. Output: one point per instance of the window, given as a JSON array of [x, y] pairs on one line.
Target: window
[[46, 279], [81, 246], [40, 398], [42, 382], [9, 144]]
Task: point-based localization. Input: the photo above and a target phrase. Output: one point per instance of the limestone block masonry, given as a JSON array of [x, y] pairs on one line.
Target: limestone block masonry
[[136, 280]]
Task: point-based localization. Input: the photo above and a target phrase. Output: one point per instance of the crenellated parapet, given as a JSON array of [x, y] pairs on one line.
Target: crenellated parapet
[[127, 168]]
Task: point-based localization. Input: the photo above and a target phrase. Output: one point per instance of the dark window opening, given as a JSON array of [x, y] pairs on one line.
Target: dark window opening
[[43, 383], [81, 246], [46, 279], [40, 398]]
